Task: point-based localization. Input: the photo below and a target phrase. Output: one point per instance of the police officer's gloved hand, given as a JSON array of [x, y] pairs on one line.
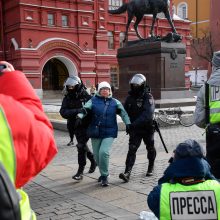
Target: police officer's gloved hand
[[82, 110], [78, 122]]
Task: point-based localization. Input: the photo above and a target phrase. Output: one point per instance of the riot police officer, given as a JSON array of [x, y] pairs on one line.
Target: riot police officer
[[76, 96], [140, 108]]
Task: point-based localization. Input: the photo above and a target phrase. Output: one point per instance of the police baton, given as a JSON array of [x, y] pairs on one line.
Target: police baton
[[158, 131]]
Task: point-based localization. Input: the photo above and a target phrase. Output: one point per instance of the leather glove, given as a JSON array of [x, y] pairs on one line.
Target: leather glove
[[82, 110], [78, 122]]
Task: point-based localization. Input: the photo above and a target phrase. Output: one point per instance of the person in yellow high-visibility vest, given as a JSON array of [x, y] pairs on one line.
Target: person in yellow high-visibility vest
[[187, 190], [207, 115], [26, 139]]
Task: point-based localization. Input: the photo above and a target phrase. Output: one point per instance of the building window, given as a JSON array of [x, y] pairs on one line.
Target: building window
[[110, 40], [50, 19], [114, 74], [182, 10], [114, 4], [121, 38], [64, 20]]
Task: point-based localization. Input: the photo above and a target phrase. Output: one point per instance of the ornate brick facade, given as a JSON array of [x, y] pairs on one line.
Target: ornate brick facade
[[77, 37]]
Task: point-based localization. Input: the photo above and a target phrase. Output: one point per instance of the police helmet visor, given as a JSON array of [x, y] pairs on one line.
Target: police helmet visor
[[72, 81], [135, 85], [71, 87], [138, 80]]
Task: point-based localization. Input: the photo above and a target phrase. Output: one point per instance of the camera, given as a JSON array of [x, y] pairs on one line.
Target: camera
[[2, 66]]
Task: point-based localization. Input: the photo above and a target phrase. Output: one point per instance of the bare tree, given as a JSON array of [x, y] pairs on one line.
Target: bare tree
[[204, 47]]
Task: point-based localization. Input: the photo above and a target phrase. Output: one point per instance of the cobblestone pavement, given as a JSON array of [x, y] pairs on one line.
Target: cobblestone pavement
[[54, 195]]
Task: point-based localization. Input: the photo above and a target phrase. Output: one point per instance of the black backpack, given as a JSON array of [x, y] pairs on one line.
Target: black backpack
[[9, 198]]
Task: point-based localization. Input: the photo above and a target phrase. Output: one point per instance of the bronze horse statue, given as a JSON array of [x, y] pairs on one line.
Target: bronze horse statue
[[139, 8]]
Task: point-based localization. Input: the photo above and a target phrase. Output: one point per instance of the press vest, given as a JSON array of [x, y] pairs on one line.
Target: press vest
[[198, 201], [7, 158], [214, 104]]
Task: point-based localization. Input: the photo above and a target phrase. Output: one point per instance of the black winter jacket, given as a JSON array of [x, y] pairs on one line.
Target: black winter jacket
[[72, 105], [140, 110]]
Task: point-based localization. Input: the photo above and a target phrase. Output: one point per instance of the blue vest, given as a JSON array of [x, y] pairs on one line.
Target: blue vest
[[107, 122]]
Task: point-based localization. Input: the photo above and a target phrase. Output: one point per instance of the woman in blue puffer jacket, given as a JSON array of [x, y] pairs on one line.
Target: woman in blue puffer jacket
[[103, 128]]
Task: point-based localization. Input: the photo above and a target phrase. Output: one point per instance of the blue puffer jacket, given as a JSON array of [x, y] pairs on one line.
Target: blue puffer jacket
[[107, 120], [189, 164]]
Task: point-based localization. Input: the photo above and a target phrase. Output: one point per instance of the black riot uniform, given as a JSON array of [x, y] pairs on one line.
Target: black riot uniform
[[72, 104], [140, 108]]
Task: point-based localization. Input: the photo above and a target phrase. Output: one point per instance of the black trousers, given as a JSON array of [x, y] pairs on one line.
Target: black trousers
[[70, 128], [213, 149], [135, 142], [82, 147]]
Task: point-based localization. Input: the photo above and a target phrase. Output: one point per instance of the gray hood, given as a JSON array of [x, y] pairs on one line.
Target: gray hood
[[215, 78]]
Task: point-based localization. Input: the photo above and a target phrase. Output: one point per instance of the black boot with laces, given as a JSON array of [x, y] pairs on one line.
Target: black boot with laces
[[125, 176], [79, 175]]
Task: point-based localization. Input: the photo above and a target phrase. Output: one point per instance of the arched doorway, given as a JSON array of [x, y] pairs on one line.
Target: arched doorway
[[54, 74]]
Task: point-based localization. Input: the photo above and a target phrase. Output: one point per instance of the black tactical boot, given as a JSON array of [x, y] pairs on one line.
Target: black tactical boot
[[150, 168], [70, 143], [93, 163], [125, 176], [79, 174]]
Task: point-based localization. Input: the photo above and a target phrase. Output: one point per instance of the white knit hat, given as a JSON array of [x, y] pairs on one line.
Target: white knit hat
[[104, 84]]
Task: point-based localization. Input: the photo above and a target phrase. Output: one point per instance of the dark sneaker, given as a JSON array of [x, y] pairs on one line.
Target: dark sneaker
[[125, 176], [105, 181], [100, 179], [70, 143], [92, 167], [78, 177]]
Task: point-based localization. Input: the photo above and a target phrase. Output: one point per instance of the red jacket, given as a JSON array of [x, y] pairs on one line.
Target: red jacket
[[32, 133]]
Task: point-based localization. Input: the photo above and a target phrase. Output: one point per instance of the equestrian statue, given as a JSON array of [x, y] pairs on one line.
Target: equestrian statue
[[138, 8]]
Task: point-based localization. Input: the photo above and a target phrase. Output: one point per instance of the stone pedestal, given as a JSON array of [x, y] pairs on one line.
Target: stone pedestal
[[162, 63]]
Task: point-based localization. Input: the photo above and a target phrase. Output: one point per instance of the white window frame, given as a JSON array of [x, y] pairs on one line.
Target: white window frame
[[50, 19], [65, 21], [114, 76], [121, 38], [114, 4], [180, 10], [111, 40]]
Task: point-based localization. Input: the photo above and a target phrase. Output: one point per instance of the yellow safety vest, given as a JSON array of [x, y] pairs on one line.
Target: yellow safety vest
[[7, 158], [214, 104], [199, 201]]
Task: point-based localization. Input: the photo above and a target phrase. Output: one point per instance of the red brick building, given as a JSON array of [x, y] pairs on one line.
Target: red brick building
[[215, 23], [50, 40]]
